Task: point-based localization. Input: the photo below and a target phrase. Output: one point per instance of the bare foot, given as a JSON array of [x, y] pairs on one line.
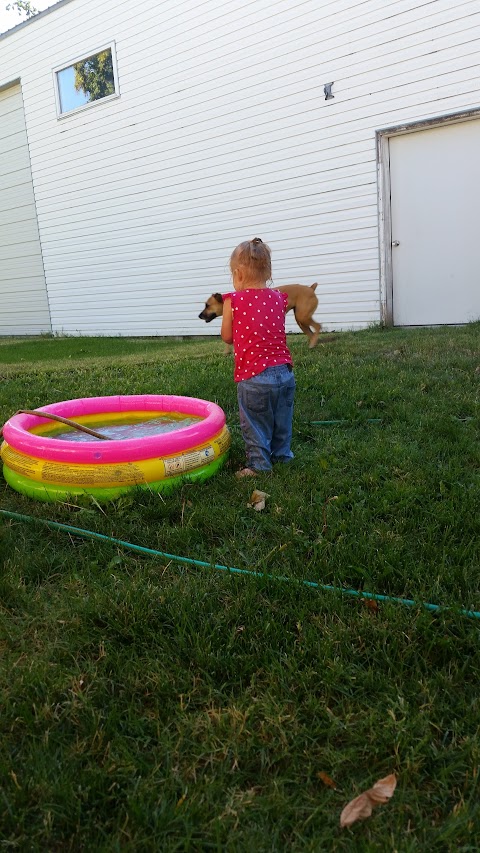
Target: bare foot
[[245, 472]]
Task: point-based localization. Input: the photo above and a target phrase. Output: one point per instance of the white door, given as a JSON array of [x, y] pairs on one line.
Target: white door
[[23, 295], [435, 205]]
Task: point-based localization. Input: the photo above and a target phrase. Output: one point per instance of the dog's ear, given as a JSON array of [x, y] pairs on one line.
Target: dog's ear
[[218, 297]]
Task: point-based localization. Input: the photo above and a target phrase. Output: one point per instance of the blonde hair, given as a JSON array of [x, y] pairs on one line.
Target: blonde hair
[[255, 256]]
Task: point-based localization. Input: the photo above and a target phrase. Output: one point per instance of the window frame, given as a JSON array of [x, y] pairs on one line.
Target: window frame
[[85, 55]]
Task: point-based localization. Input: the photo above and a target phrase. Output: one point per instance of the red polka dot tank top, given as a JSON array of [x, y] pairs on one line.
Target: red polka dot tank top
[[259, 339]]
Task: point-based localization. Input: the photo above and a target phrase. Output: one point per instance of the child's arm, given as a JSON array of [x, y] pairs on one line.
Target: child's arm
[[227, 322]]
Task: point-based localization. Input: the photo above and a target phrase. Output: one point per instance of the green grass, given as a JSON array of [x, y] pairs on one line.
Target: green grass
[[147, 705]]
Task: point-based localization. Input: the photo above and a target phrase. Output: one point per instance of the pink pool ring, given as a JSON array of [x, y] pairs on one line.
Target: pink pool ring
[[48, 468]]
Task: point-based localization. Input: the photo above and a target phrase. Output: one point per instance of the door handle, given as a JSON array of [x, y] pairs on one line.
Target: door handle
[[395, 242]]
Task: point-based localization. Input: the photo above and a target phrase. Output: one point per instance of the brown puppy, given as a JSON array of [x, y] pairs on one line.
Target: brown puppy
[[301, 299]]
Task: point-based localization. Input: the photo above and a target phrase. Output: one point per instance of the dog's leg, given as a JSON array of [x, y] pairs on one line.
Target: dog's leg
[[312, 336], [305, 323]]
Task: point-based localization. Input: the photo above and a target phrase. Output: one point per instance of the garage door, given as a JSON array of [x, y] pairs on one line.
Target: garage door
[[435, 204], [23, 295]]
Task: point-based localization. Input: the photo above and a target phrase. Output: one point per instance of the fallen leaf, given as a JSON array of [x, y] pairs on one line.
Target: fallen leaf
[[257, 495], [363, 805], [257, 500], [357, 809], [383, 789], [327, 780], [371, 604]]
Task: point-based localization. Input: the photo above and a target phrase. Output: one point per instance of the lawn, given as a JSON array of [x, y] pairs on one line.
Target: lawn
[[147, 704]]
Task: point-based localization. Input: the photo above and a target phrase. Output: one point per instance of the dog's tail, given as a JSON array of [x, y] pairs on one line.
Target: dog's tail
[[314, 286]]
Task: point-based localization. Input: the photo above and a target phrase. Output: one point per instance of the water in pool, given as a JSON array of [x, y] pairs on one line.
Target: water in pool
[[126, 430]]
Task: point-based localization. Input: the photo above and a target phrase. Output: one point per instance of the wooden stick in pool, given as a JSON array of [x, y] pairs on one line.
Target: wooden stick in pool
[[65, 421]]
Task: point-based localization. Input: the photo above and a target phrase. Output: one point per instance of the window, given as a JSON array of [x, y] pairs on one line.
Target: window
[[86, 81]]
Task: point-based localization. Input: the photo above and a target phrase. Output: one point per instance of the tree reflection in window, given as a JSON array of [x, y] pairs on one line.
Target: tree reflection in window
[[94, 76], [88, 80]]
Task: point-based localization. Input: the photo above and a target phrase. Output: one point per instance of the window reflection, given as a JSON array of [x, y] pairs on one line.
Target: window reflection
[[89, 80]]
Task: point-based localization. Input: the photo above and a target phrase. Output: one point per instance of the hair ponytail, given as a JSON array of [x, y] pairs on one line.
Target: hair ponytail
[[255, 255]]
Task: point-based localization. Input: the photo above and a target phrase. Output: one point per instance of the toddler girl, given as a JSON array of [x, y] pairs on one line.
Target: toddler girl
[[254, 321]]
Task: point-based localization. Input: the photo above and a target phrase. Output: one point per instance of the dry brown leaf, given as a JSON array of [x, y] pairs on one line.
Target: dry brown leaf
[[257, 495], [383, 789], [357, 809], [327, 780], [371, 604], [257, 500], [363, 805]]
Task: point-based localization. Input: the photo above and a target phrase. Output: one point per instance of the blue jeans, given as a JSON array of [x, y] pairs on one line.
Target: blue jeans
[[265, 403]]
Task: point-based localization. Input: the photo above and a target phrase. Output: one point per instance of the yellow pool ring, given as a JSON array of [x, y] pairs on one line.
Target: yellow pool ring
[[117, 474], [51, 492]]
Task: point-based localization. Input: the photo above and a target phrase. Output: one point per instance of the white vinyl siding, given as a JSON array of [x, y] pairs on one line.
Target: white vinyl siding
[[23, 294], [222, 133]]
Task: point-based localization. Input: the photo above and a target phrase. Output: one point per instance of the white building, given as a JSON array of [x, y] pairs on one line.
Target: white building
[[118, 216]]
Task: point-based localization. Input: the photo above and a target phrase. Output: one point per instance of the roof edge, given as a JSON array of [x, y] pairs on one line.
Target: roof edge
[[33, 18]]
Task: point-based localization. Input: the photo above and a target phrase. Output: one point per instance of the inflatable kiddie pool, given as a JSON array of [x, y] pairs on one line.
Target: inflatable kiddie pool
[[155, 442]]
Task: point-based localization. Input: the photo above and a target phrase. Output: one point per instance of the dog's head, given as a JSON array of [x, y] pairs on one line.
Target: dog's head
[[213, 308]]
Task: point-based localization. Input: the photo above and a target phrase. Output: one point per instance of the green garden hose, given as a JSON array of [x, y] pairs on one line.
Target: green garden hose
[[90, 534]]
